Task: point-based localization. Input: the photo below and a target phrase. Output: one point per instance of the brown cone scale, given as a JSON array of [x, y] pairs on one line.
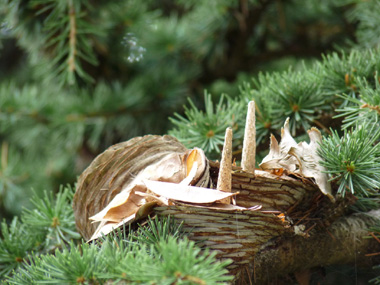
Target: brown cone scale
[[112, 171]]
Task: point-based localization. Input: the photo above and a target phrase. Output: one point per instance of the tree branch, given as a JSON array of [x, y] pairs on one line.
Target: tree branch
[[72, 36], [346, 241]]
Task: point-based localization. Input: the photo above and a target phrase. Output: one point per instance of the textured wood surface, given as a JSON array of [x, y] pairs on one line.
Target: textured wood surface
[[232, 234], [238, 235]]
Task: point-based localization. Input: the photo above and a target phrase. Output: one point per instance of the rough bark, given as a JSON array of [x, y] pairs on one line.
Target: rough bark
[[346, 241]]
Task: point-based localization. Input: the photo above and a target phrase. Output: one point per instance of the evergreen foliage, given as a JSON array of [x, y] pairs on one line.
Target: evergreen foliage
[[307, 97], [206, 129], [363, 109], [155, 231], [44, 248], [47, 227], [353, 160], [16, 243], [78, 76], [53, 218], [171, 261]]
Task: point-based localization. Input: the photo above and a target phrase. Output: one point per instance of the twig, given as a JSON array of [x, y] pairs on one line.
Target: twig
[[4, 155], [72, 37], [309, 229], [373, 254], [319, 124], [375, 237]]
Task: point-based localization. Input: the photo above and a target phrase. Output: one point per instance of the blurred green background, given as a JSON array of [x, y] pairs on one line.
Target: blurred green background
[[79, 76]]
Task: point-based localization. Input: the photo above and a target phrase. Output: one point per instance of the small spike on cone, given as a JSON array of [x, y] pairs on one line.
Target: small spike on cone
[[249, 143], [224, 177]]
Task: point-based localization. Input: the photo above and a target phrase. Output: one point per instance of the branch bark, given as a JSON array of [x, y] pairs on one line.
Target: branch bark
[[344, 242]]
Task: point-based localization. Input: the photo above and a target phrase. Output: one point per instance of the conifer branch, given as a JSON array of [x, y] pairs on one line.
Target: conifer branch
[[4, 156], [72, 36], [347, 238], [353, 160]]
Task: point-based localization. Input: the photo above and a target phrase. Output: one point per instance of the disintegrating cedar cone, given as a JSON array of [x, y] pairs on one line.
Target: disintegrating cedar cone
[[113, 170], [267, 205]]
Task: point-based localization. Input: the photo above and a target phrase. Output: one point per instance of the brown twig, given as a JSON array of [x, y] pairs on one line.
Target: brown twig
[[319, 124], [375, 237], [373, 254], [72, 37], [4, 155]]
